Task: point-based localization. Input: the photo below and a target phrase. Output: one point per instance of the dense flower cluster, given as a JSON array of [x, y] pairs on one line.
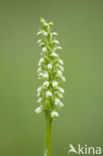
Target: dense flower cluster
[[50, 70]]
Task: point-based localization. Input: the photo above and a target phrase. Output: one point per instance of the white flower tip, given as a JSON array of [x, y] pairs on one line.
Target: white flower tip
[[61, 104], [63, 79], [54, 54], [38, 110], [57, 102], [61, 90], [39, 89], [44, 49], [45, 75], [39, 41], [60, 48], [49, 66], [42, 20], [46, 84], [56, 41], [54, 33], [60, 67], [59, 73], [61, 61], [49, 94], [41, 61], [54, 114], [39, 33], [45, 33], [41, 44], [39, 100], [54, 84], [51, 23]]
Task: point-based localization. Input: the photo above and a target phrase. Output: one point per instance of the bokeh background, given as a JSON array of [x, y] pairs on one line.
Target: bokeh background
[[80, 27]]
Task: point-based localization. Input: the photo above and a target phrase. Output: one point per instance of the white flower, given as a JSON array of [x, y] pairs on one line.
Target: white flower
[[54, 33], [57, 102], [39, 100], [40, 75], [54, 84], [45, 33], [44, 49], [59, 48], [41, 61], [46, 84], [39, 89], [40, 32], [56, 41], [61, 89], [51, 23], [39, 41], [60, 67], [59, 94], [45, 75], [59, 73], [43, 20], [54, 114], [46, 24], [61, 104], [54, 54], [60, 61], [49, 66], [39, 69], [41, 44], [63, 79], [38, 94], [38, 109], [48, 94]]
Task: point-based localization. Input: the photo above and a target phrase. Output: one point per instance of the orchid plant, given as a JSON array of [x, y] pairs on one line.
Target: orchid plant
[[50, 71]]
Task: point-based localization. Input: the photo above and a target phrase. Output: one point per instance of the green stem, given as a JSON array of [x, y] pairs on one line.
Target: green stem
[[48, 136]]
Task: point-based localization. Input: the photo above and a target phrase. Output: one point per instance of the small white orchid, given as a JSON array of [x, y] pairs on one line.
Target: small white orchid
[[38, 109], [55, 84], [60, 67], [50, 71], [49, 66], [39, 89], [46, 84], [45, 33], [41, 44], [39, 69], [49, 94], [61, 89], [59, 73], [45, 75], [39, 100], [54, 33], [54, 54], [59, 94], [57, 102], [39, 41], [54, 114], [63, 78], [44, 49], [41, 61], [61, 61]]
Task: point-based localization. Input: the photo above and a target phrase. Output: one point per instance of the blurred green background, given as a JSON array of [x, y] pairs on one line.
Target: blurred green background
[[80, 27]]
